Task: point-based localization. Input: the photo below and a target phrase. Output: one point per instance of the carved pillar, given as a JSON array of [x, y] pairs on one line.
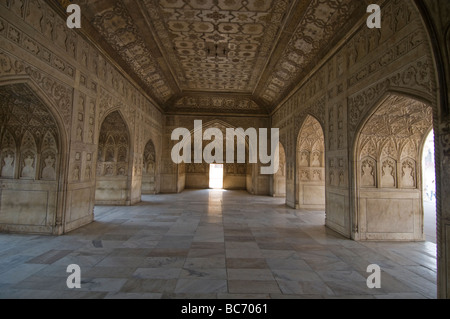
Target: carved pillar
[[169, 175]]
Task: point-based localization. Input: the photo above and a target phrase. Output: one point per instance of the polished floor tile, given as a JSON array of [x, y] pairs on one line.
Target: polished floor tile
[[208, 245]]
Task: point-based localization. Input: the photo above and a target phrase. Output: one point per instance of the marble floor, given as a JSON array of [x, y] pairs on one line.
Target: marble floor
[[207, 245]]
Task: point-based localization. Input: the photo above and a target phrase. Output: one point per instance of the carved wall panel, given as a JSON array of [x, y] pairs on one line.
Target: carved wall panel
[[28, 157], [48, 158], [8, 159], [416, 76], [311, 143], [311, 166], [114, 170], [387, 170], [67, 69], [369, 172], [149, 174], [114, 147], [30, 160], [279, 179], [78, 52], [149, 159], [30, 135], [392, 136], [408, 175]]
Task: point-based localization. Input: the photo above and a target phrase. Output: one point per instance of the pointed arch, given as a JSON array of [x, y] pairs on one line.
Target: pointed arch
[[34, 144], [114, 164], [390, 208], [310, 162]]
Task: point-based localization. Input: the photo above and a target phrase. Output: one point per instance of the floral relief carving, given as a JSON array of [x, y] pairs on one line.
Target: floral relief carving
[[368, 173], [58, 92], [48, 157], [8, 155], [114, 147], [388, 173], [409, 173], [149, 159], [310, 152], [30, 133], [415, 76]]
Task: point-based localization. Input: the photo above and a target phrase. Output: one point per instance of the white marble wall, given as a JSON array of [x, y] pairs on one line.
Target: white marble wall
[[79, 86]]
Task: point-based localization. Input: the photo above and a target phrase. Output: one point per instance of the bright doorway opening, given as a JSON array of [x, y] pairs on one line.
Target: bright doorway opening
[[429, 189], [216, 176]]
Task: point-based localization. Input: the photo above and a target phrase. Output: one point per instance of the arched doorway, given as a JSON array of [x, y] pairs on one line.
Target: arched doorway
[[279, 179], [389, 179], [311, 166], [235, 175], [113, 163], [31, 157], [149, 183]]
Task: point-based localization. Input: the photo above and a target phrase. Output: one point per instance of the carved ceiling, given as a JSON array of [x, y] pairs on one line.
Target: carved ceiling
[[247, 53]]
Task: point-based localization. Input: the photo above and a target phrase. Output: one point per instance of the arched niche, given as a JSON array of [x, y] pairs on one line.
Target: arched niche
[[149, 173], [30, 162], [279, 178], [113, 162], [388, 175], [310, 154]]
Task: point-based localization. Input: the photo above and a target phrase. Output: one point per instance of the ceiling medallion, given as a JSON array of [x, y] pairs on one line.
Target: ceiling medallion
[[216, 16]]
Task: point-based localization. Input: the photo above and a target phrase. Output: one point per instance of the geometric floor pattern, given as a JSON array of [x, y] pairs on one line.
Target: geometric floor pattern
[[211, 244]]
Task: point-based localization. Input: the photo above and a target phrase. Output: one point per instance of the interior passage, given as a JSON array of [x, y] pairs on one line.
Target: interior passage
[[212, 244]]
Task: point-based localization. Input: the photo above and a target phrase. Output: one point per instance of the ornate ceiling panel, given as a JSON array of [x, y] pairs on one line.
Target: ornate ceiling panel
[[257, 49], [114, 22], [218, 46], [314, 34]]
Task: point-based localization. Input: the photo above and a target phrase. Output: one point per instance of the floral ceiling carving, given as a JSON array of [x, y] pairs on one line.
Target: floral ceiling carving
[[401, 118], [256, 48]]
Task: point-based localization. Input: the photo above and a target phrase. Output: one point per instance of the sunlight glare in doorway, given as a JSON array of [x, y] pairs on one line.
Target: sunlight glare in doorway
[[216, 176]]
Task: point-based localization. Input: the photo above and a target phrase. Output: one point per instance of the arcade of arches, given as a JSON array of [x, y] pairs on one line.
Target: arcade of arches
[[86, 115]]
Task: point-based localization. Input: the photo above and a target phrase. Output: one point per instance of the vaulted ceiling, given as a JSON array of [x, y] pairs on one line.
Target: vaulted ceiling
[[219, 56]]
